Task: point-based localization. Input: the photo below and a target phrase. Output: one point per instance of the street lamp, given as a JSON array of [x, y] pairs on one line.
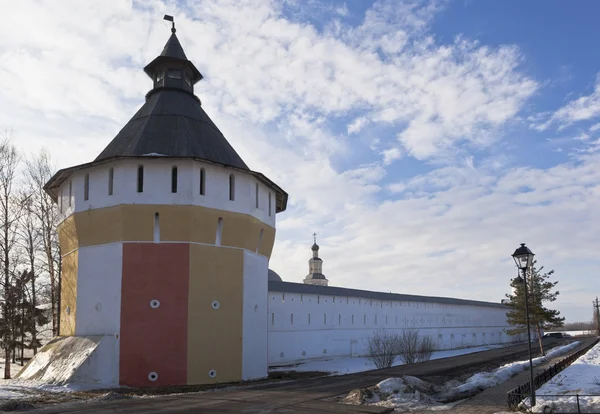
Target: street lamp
[[524, 259]]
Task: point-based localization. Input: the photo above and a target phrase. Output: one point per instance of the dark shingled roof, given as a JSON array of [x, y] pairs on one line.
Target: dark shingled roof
[[173, 49], [173, 123], [289, 287], [273, 276]]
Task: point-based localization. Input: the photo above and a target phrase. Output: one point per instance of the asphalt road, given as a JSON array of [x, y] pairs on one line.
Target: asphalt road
[[303, 396]]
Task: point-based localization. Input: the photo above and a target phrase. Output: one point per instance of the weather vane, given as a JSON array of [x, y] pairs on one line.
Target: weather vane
[[170, 18]]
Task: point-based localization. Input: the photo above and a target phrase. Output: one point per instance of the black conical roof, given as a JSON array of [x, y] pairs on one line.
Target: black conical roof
[[173, 49], [173, 123]]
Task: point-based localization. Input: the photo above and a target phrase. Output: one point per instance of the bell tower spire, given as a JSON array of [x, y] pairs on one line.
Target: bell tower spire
[[315, 267]]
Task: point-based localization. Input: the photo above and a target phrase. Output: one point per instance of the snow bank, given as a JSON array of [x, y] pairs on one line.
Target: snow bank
[[405, 392], [581, 377], [483, 380], [408, 393]]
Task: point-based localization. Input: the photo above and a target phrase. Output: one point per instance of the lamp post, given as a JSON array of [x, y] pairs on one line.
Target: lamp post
[[524, 259]]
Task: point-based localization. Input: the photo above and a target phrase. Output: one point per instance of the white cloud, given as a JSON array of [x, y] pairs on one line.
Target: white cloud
[[357, 125], [390, 155], [280, 90], [580, 109]]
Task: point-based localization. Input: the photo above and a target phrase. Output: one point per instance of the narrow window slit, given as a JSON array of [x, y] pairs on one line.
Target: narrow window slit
[[86, 187], [219, 231], [111, 177], [140, 179], [202, 180], [156, 228], [174, 180]]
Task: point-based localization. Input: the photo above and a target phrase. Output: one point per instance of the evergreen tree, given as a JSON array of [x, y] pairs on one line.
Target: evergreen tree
[[540, 291]]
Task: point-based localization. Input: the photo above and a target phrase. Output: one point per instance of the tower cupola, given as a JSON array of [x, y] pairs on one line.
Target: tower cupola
[[172, 69]]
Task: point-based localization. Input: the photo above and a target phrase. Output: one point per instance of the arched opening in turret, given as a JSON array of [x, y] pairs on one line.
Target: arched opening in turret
[[111, 177], [174, 180], [219, 231], [202, 181], [257, 195], [231, 187], [260, 236], [269, 204], [156, 228], [86, 187], [140, 179]]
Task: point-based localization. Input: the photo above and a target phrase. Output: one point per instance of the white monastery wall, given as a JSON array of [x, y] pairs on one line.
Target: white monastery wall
[[99, 290], [102, 366], [157, 188], [303, 326], [255, 330]]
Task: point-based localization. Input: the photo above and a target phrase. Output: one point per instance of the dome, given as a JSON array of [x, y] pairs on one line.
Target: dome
[[315, 247], [274, 277]]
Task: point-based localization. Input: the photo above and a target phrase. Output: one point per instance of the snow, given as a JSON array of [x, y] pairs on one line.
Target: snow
[[483, 380], [575, 333], [350, 365], [24, 389], [581, 377], [407, 393]]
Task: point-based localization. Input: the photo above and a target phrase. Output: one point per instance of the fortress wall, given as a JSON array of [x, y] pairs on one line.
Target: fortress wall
[[304, 326]]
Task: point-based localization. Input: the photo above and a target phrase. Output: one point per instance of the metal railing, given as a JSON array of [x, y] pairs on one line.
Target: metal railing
[[518, 394], [573, 403]]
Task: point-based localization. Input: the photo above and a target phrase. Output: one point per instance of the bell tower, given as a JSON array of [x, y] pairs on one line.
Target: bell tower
[[315, 267]]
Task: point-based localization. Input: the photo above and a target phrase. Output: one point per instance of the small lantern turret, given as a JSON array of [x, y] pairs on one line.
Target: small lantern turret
[[172, 69]]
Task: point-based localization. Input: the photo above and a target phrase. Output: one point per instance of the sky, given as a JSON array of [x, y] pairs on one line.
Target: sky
[[423, 141]]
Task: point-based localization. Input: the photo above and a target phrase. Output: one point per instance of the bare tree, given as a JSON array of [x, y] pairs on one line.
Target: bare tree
[[383, 348], [426, 348], [38, 170], [30, 244], [9, 215], [409, 346]]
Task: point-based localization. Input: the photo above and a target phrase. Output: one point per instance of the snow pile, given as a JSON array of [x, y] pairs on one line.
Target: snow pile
[[483, 380], [406, 393], [581, 377]]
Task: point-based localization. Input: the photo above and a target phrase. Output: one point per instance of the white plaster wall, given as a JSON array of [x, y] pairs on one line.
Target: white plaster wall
[[102, 366], [335, 322], [254, 330], [157, 187], [99, 290]]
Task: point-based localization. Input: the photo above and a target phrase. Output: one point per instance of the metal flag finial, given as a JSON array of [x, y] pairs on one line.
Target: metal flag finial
[[170, 18]]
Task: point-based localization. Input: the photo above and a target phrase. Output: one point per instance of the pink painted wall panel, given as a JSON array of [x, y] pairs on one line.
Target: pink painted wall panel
[[154, 339]]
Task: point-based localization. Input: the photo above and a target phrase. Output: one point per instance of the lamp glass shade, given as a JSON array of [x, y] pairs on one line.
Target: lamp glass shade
[[523, 257]]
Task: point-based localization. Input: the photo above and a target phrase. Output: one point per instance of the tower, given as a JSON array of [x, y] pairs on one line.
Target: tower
[[166, 238], [315, 267]]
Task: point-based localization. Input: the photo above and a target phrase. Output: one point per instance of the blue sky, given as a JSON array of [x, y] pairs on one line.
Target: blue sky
[[422, 140]]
